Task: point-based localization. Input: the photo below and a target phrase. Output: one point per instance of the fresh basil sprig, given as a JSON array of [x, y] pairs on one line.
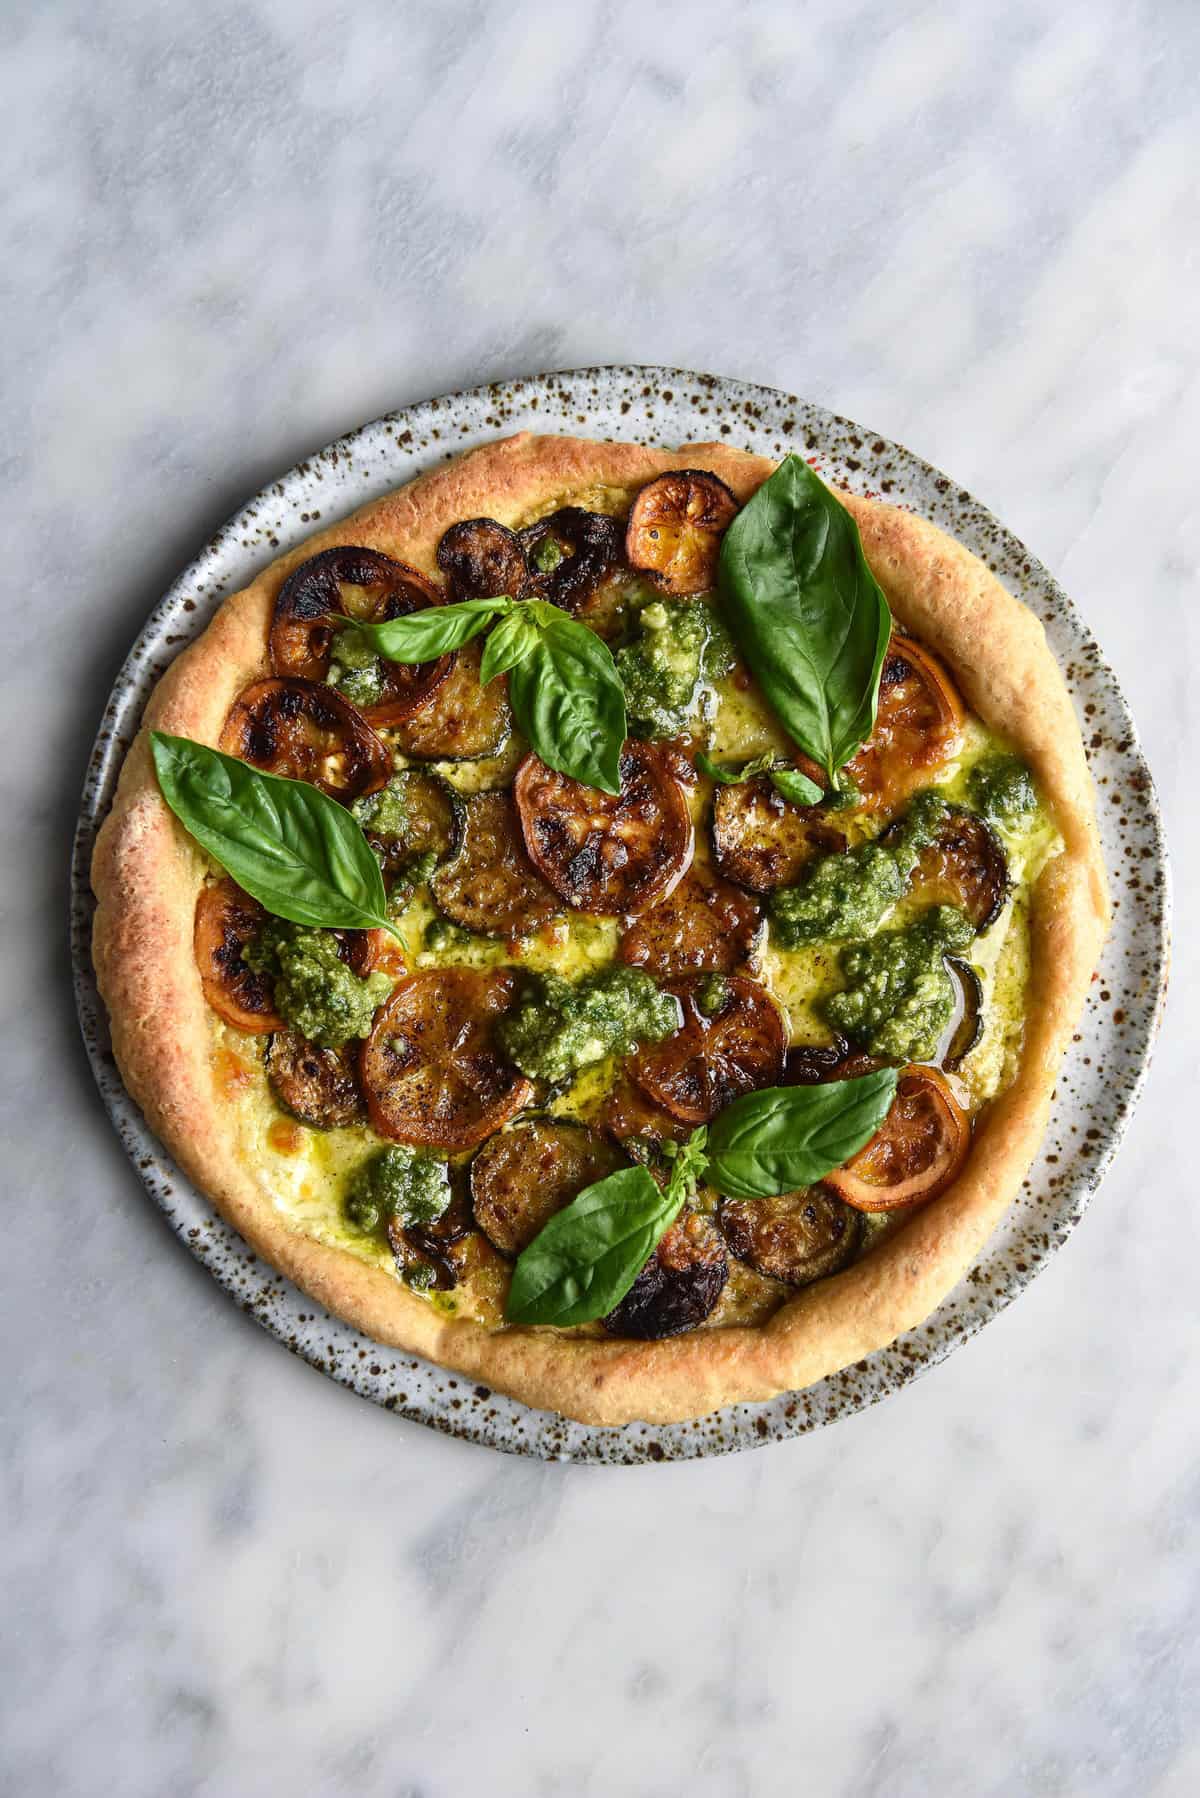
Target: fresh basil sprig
[[566, 695], [790, 782], [585, 1260], [808, 614], [291, 847]]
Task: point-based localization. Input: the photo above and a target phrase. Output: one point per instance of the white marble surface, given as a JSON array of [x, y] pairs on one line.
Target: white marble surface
[[229, 233]]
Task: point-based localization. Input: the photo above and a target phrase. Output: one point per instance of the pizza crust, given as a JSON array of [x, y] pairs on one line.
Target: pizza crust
[[147, 872]]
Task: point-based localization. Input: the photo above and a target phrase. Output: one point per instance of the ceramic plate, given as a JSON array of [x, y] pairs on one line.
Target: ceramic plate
[[1102, 1075]]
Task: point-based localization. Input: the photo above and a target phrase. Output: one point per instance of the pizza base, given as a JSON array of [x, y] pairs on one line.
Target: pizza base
[[147, 872]]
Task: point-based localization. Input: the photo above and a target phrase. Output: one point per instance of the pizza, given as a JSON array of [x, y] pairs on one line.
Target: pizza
[[608, 919]]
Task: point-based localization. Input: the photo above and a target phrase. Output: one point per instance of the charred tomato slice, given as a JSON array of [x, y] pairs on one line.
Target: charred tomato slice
[[964, 866], [762, 840], [815, 1064], [705, 925], [569, 554], [306, 731], [640, 1126], [679, 1285], [523, 1175], [917, 1151], [603, 853], [356, 584], [715, 1056], [675, 529], [490, 885], [318, 1086], [431, 1071], [918, 727], [797, 1237], [463, 720], [225, 920], [482, 559]]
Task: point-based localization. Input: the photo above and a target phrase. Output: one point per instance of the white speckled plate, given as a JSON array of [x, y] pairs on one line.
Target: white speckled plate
[[1102, 1076]]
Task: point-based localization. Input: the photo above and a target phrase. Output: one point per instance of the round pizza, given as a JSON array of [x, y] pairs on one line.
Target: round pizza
[[608, 919]]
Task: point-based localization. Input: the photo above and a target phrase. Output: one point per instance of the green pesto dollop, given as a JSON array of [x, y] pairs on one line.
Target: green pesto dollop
[[680, 648], [847, 895], [315, 992], [1001, 787], [899, 999], [355, 669], [384, 813], [396, 1182], [558, 1028]]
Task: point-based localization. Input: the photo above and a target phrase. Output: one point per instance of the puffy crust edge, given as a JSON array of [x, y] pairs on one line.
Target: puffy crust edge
[[146, 874]]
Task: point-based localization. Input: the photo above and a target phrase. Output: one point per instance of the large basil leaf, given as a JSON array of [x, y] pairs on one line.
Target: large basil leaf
[[808, 614], [791, 1136], [292, 848], [587, 1257], [509, 643], [423, 636], [568, 700]]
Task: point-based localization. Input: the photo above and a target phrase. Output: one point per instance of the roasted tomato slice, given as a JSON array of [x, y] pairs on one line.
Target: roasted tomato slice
[[915, 1154], [964, 866], [306, 731], [918, 727], [640, 1126], [675, 529], [704, 925], [679, 1285], [226, 919], [490, 885], [762, 840], [523, 1175], [482, 560], [318, 1086], [360, 584], [613, 855], [797, 1237], [815, 1064], [431, 1071], [714, 1057], [569, 554], [463, 721]]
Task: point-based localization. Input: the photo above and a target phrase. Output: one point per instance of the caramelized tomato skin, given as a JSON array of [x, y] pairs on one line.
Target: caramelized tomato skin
[[225, 920], [675, 529], [713, 1058], [918, 727], [705, 925], [304, 730], [918, 1151]]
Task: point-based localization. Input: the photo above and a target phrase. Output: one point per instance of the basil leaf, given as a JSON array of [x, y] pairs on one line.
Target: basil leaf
[[569, 702], [423, 636], [808, 614], [292, 848], [509, 643], [587, 1257], [787, 1137], [796, 787], [726, 775]]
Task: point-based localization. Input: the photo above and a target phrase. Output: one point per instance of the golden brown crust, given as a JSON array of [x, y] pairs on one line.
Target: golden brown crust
[[147, 872]]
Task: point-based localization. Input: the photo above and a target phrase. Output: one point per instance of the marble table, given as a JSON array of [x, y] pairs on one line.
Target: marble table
[[229, 233]]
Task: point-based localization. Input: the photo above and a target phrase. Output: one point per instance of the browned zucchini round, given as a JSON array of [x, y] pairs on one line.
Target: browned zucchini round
[[815, 1064], [304, 730], [490, 885], [436, 1248], [463, 721], [482, 560], [704, 925], [569, 554], [716, 1055], [968, 1025], [797, 1237], [433, 822], [318, 1086], [225, 920], [603, 853], [523, 1175], [679, 1285], [964, 866], [675, 529], [640, 1126], [762, 841]]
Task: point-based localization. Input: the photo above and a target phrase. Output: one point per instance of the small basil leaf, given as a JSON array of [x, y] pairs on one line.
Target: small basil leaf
[[787, 1137], [509, 643], [796, 787], [808, 614], [587, 1257], [726, 775], [292, 848], [423, 636], [569, 702]]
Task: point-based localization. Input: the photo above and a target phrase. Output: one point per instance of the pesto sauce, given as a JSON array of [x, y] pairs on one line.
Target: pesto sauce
[[396, 1182], [1001, 787], [899, 998], [315, 992], [558, 1028], [848, 895], [668, 669], [354, 668]]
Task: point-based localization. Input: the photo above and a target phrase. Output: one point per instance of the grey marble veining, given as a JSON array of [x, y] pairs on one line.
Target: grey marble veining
[[230, 233]]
